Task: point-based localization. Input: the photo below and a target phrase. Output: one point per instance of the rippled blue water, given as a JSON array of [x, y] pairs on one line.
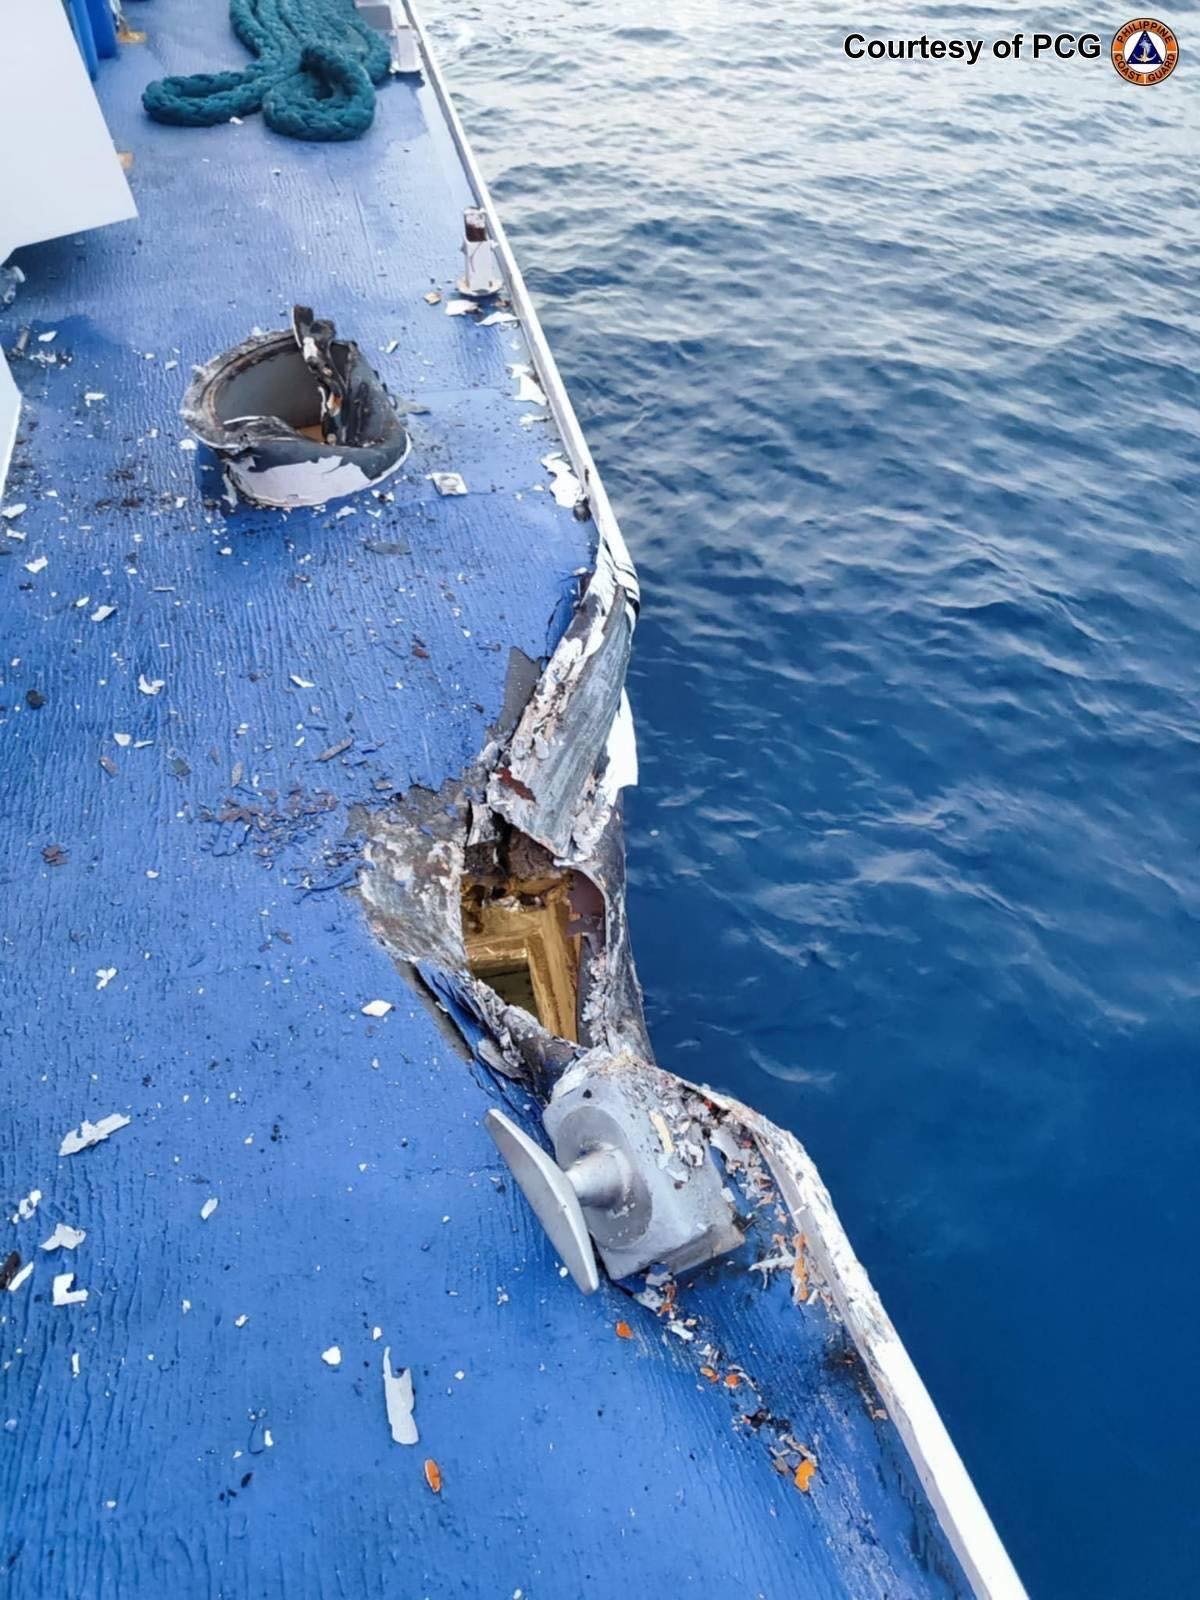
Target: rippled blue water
[[891, 372]]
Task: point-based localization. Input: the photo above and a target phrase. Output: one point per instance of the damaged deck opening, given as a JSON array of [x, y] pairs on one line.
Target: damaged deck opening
[[521, 932]]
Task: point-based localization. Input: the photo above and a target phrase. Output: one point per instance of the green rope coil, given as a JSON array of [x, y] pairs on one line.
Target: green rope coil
[[314, 77]]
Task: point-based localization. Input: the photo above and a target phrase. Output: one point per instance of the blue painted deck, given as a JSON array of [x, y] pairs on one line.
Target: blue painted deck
[[356, 1187]]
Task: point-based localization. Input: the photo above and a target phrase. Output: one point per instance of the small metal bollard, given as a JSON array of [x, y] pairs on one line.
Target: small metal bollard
[[481, 279]]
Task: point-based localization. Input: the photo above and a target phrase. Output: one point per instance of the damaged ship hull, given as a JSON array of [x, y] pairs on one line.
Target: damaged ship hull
[[315, 818]]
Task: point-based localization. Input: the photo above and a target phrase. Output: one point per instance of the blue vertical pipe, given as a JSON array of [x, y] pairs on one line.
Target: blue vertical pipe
[[104, 29], [81, 25]]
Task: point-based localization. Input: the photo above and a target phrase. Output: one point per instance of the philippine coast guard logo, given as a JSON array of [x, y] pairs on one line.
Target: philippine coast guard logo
[[1145, 51]]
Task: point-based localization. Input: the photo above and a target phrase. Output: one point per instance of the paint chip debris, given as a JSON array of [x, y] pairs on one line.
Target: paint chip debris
[[240, 1322], [623, 1331], [38, 565], [566, 487], [102, 613], [448, 482], [27, 1206], [433, 297], [11, 513], [377, 1008], [301, 683], [150, 685], [498, 319], [399, 1398], [105, 975], [332, 1357], [62, 1293], [65, 1237], [460, 308], [19, 1277], [209, 1206], [803, 1476], [90, 1133], [433, 1475]]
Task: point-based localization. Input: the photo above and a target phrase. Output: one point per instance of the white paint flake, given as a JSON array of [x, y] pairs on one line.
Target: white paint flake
[[90, 1133], [62, 1293], [460, 308], [102, 613], [332, 1357], [566, 488], [150, 685], [399, 1399], [15, 1282], [240, 1322], [432, 298], [209, 1206], [447, 482], [75, 1363], [39, 564], [377, 1008], [498, 319], [187, 444], [65, 1237], [301, 683], [104, 976], [93, 396], [11, 513], [123, 739], [27, 1206]]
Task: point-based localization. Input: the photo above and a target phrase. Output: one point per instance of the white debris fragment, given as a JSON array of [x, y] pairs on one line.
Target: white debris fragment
[[680, 1330], [391, 347], [528, 388], [332, 1357], [75, 1363], [773, 1264], [102, 613], [377, 1008], [26, 1207], [268, 1440], [39, 564], [498, 319], [14, 511], [447, 482], [64, 1237], [185, 1306], [123, 739], [432, 298], [346, 511], [104, 976], [399, 1398], [18, 1278], [240, 1322], [377, 1333], [663, 1132], [301, 683], [90, 1133], [150, 685], [187, 444], [47, 338], [566, 488], [93, 396], [459, 308], [62, 1293], [209, 1206]]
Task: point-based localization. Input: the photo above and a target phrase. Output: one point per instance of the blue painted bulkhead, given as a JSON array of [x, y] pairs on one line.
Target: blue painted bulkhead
[[196, 1453]]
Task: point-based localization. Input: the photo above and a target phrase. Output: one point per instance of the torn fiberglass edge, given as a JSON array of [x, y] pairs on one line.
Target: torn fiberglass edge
[[296, 418]]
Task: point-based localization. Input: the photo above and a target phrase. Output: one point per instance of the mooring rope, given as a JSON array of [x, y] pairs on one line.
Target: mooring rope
[[314, 78]]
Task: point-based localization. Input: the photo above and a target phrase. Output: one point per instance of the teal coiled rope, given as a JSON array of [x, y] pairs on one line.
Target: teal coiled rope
[[314, 78]]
